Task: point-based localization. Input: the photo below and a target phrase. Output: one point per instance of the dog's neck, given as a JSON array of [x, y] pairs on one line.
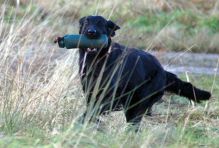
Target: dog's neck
[[88, 59], [103, 52]]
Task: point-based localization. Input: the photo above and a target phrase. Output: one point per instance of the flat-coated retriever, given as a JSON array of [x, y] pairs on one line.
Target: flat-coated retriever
[[118, 77]]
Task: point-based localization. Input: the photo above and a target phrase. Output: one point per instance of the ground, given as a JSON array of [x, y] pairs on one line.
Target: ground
[[40, 91]]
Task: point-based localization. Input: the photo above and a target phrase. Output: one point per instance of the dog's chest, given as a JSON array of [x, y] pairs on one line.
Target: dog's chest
[[93, 68]]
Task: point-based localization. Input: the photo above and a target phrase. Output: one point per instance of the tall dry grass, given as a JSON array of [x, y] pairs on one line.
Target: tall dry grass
[[39, 83]]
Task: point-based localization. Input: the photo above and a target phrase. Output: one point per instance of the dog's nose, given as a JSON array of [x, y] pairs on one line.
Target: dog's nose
[[91, 32]]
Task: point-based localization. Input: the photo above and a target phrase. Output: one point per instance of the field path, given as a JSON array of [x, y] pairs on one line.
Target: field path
[[197, 63]]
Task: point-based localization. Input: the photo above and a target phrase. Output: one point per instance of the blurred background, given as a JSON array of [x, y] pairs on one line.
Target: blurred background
[[160, 26], [170, 25]]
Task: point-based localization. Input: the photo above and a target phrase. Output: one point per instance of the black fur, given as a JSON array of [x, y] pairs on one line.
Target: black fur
[[130, 78], [185, 89]]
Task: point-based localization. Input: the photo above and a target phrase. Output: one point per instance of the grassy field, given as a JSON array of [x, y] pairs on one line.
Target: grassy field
[[40, 91]]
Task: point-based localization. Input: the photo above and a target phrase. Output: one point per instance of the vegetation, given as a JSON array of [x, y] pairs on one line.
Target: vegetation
[[40, 92]]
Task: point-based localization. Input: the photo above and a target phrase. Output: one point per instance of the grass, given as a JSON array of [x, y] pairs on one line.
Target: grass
[[40, 91], [186, 20], [159, 25], [181, 27]]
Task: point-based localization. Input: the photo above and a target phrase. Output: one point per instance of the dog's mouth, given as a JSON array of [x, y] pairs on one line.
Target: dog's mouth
[[91, 50]]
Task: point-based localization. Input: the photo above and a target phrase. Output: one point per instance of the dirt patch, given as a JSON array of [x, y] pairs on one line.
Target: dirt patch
[[181, 62]]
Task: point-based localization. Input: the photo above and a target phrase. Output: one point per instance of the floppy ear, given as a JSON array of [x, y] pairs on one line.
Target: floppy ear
[[112, 27], [81, 22]]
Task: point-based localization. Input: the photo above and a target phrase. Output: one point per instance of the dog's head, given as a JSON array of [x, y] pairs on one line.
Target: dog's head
[[94, 26]]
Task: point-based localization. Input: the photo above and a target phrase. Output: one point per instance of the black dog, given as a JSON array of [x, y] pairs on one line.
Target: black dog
[[119, 76]]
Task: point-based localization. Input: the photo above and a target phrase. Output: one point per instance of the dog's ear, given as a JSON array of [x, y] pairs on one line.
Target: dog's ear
[[81, 21], [81, 24], [112, 27]]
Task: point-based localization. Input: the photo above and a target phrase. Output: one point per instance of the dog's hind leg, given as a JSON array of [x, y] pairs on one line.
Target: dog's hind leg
[[156, 98], [134, 117]]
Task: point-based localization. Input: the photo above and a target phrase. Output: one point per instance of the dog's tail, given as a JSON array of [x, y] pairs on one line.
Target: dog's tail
[[185, 89]]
